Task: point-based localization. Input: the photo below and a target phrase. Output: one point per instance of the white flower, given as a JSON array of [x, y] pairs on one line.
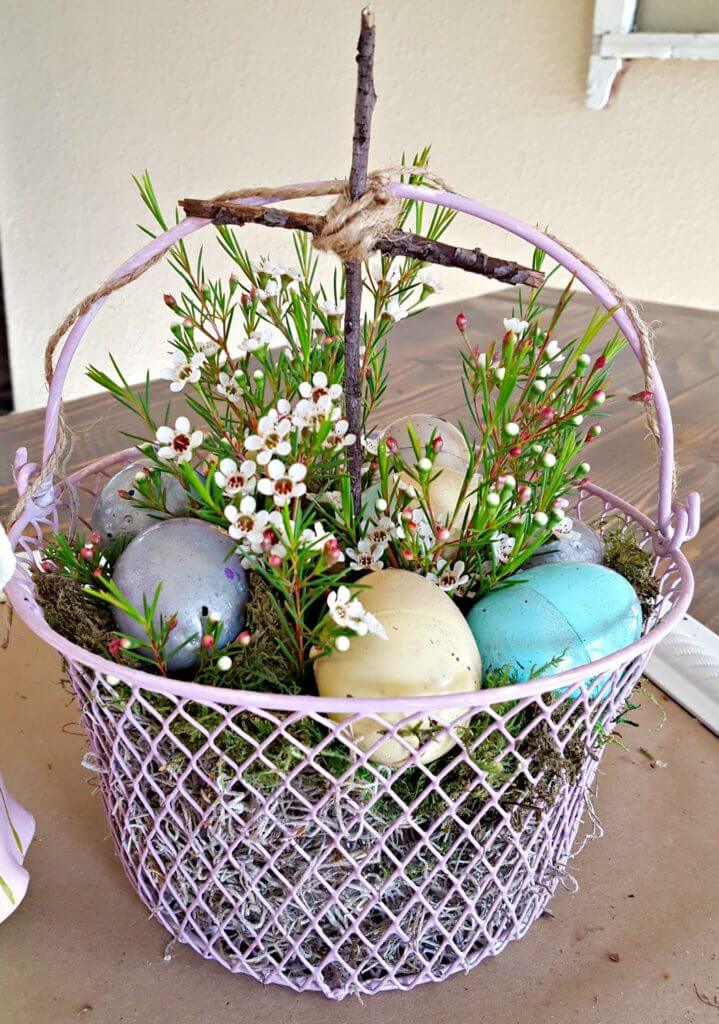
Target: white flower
[[261, 337], [502, 547], [7, 560], [383, 531], [234, 479], [338, 436], [552, 352], [515, 325], [309, 415], [393, 273], [449, 577], [183, 370], [426, 278], [331, 308], [271, 437], [368, 555], [349, 613], [270, 291], [283, 483], [264, 265], [320, 387], [248, 525], [178, 444], [316, 537], [395, 309], [229, 388], [370, 443]]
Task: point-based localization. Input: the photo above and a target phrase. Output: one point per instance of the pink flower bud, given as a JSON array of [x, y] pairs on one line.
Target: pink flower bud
[[208, 641], [407, 554], [524, 493], [597, 397], [275, 561], [244, 638], [461, 322], [600, 363], [443, 534], [642, 396], [169, 300], [95, 538], [392, 445], [171, 624], [515, 452], [87, 553], [546, 414], [438, 443]]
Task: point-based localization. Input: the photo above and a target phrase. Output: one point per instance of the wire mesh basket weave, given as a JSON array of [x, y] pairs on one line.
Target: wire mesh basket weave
[[259, 833]]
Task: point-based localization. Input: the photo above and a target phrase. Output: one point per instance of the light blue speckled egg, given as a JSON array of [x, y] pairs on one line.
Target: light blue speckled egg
[[574, 611]]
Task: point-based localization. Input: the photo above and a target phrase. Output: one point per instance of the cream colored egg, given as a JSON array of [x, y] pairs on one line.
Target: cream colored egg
[[444, 494], [454, 452], [429, 650]]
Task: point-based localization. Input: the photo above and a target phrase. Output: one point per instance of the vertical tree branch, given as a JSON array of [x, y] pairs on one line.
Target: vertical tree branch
[[364, 105]]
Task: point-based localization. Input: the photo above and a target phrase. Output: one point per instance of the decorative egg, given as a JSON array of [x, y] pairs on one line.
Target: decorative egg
[[114, 514], [199, 572], [429, 649], [580, 544], [574, 612], [454, 452]]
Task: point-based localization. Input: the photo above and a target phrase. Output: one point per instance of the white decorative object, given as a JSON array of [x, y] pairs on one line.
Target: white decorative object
[[614, 41], [686, 666], [17, 827]]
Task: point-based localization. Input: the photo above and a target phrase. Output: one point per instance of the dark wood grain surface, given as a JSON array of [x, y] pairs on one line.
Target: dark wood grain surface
[[424, 378]]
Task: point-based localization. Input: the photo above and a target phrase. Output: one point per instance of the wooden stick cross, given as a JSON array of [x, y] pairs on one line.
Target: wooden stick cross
[[394, 243]]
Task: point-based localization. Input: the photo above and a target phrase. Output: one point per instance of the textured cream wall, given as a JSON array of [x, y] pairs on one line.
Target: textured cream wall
[[210, 95]]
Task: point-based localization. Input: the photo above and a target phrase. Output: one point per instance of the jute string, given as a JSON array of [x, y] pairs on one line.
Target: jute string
[[351, 231]]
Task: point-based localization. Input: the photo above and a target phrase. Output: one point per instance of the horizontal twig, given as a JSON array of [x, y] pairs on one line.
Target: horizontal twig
[[396, 243]]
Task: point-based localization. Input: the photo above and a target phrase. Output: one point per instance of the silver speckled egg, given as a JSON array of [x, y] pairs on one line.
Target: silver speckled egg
[[115, 516], [581, 544], [199, 573]]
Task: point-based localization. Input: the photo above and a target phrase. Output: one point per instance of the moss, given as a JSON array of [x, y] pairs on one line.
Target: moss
[[74, 614], [262, 666], [623, 553]]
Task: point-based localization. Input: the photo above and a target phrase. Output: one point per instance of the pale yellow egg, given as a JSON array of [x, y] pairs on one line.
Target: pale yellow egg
[[429, 650]]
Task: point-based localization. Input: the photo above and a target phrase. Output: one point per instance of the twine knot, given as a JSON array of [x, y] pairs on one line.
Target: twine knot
[[352, 227]]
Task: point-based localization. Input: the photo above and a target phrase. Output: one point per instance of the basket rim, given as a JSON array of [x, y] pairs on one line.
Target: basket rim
[[214, 695]]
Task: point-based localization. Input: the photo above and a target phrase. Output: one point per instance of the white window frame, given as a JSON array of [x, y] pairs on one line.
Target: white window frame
[[614, 41]]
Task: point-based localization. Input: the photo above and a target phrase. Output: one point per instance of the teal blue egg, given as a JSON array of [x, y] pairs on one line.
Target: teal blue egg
[[569, 613]]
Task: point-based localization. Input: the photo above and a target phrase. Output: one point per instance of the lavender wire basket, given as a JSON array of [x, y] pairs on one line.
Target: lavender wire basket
[[255, 829]]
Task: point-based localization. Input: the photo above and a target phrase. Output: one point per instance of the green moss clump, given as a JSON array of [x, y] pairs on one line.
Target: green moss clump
[[623, 554]]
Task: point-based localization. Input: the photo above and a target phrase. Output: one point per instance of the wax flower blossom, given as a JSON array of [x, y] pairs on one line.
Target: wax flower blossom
[[395, 310], [366, 556], [349, 613], [502, 546], [450, 578], [515, 325], [178, 444], [248, 525], [183, 370], [234, 479], [319, 388], [428, 280], [331, 308], [271, 437], [229, 387], [283, 483]]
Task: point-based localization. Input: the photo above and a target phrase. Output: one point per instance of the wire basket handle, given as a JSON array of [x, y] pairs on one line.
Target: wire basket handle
[[675, 522]]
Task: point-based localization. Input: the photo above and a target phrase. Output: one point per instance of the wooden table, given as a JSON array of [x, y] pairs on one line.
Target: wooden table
[[639, 943]]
